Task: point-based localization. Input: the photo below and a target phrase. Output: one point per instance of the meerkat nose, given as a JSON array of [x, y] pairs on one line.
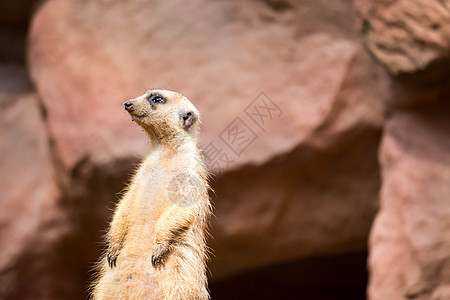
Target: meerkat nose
[[128, 105]]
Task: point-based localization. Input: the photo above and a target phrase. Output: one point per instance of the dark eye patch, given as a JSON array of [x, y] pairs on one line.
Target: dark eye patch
[[156, 99]]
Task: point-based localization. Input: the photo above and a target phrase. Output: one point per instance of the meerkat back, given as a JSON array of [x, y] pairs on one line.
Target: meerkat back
[[156, 240]]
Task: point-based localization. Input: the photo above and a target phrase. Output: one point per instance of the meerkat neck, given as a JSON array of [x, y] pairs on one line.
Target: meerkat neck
[[184, 145]]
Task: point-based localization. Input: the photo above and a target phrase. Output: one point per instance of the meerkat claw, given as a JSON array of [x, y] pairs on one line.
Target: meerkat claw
[[156, 261], [160, 252], [111, 261]]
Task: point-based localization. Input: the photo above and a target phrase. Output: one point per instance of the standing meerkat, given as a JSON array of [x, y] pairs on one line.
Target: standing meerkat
[[156, 241]]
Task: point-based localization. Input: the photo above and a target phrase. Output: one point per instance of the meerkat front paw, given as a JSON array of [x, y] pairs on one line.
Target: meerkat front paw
[[111, 255], [160, 252]]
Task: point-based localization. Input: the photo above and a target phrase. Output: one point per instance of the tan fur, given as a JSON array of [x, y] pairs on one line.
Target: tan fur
[[163, 215]]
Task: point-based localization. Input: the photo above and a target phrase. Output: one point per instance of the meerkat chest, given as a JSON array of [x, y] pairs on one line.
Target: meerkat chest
[[151, 189], [155, 182]]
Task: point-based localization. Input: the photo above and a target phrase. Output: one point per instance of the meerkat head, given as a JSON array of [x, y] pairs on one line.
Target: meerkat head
[[164, 114]]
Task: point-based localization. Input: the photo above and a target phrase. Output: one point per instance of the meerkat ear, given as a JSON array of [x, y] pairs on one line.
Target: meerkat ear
[[187, 119]]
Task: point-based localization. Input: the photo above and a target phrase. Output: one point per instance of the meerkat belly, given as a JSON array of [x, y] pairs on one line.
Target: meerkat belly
[[151, 201]]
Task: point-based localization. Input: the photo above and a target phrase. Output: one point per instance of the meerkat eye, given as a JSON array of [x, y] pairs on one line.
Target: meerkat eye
[[155, 99]]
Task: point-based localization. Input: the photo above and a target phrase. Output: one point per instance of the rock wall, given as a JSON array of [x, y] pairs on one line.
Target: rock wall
[[304, 82], [410, 238], [31, 220]]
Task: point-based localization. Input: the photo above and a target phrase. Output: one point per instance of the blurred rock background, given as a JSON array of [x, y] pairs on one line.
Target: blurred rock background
[[347, 120]]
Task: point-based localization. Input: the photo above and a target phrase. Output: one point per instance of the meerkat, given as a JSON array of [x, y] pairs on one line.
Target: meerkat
[[156, 241]]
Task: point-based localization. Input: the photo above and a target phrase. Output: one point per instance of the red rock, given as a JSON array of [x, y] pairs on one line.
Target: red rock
[[318, 199], [406, 36], [29, 215], [411, 236], [84, 77]]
